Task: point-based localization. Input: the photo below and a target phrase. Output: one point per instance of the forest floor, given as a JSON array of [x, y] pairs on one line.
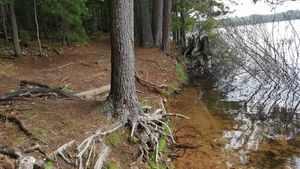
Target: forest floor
[[76, 68]]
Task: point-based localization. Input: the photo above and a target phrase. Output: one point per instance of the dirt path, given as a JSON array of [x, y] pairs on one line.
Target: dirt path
[[82, 67]]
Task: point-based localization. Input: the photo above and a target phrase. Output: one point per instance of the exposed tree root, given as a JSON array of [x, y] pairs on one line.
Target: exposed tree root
[[18, 122], [156, 88], [22, 160], [147, 127], [21, 125]]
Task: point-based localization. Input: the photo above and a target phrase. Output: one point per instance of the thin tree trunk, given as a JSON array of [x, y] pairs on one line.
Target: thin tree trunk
[[123, 94], [147, 35], [17, 49], [37, 29], [63, 31], [4, 23], [166, 26], [182, 27], [157, 22]]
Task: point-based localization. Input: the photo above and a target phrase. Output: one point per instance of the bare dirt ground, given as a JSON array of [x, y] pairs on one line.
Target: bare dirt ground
[[56, 121]]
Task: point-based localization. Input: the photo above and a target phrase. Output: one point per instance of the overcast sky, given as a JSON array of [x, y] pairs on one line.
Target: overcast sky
[[247, 7]]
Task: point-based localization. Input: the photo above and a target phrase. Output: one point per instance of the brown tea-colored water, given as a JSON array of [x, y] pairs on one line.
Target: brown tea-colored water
[[209, 140]]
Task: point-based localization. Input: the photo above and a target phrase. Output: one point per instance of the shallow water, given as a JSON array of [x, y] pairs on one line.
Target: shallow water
[[220, 135]]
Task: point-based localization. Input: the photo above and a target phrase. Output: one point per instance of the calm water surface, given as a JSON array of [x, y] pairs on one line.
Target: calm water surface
[[244, 119]]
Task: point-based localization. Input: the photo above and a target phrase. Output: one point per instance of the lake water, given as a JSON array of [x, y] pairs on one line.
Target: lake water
[[251, 113]]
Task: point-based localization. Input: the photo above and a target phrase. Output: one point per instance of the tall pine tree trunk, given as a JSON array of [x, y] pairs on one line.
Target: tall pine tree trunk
[[4, 22], [182, 31], [146, 28], [166, 26], [16, 44], [157, 22], [123, 93], [37, 29]]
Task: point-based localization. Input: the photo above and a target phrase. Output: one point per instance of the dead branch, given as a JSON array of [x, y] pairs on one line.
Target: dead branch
[[64, 79], [32, 83], [60, 67]]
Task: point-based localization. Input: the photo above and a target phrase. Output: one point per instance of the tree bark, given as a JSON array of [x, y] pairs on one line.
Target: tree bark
[[4, 23], [146, 29], [37, 29], [16, 44], [157, 22], [123, 93], [166, 26]]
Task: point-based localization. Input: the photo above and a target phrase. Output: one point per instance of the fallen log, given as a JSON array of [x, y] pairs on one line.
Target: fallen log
[[93, 92]]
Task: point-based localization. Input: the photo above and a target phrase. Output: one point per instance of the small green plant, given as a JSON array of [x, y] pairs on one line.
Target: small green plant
[[66, 88], [112, 165], [49, 165], [114, 139]]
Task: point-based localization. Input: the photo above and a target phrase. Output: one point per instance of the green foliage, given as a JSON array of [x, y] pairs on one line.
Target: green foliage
[[162, 149], [114, 139], [49, 165], [111, 165], [181, 74]]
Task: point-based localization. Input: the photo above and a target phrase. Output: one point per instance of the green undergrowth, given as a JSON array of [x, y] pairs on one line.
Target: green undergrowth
[[163, 149], [181, 75], [112, 165]]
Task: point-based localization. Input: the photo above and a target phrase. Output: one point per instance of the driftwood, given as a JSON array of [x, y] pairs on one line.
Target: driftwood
[[198, 51]]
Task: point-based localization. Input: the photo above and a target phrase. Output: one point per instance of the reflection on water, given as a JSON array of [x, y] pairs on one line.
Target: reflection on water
[[257, 139], [264, 81]]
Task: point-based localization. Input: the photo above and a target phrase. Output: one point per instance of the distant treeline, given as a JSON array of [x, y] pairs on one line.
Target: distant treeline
[[255, 19]]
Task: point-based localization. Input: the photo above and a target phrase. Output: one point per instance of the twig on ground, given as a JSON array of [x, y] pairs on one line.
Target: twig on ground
[[64, 79]]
